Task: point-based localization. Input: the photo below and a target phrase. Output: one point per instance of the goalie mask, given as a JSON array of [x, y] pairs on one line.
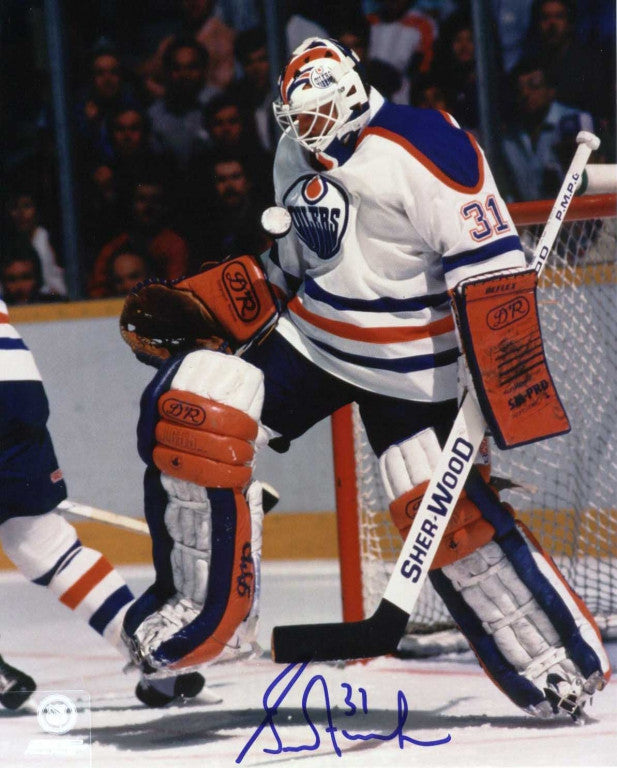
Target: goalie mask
[[323, 101]]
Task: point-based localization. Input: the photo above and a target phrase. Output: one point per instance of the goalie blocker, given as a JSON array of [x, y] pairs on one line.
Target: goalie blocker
[[497, 317]]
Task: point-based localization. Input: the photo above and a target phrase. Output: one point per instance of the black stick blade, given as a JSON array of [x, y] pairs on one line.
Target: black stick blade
[[375, 636]]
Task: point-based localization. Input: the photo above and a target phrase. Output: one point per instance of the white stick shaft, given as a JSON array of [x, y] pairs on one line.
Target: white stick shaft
[[456, 460], [104, 516], [438, 503], [587, 142]]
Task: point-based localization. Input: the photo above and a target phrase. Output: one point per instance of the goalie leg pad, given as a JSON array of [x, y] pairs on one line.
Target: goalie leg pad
[[202, 529], [206, 577], [406, 469], [199, 419], [532, 635]]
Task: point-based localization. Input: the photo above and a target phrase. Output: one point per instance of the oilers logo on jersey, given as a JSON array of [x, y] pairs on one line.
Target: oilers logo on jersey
[[319, 209]]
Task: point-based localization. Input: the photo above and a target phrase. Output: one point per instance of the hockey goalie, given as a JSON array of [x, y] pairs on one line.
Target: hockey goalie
[[393, 210]]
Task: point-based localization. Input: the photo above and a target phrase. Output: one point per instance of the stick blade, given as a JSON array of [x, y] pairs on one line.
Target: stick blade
[[375, 636]]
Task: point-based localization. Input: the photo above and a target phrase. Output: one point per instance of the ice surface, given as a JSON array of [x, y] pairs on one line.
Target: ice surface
[[445, 697]]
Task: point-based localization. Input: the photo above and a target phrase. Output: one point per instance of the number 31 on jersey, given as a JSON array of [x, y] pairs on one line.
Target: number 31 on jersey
[[487, 218]]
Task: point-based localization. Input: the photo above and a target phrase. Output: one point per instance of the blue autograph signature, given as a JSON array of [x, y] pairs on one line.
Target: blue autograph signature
[[290, 676]]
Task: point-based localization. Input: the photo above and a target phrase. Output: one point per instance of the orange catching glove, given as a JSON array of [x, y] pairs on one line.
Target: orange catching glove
[[225, 307]]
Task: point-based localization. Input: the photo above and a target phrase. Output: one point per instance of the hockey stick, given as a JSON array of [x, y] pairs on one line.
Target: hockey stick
[[104, 516], [381, 632], [270, 499]]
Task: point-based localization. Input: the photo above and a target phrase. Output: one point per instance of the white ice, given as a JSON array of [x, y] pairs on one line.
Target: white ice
[[446, 697]]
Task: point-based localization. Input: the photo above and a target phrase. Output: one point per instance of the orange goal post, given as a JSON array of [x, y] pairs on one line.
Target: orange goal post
[[565, 488]]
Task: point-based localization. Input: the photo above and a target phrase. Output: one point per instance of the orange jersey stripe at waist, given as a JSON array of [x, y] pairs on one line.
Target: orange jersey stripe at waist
[[388, 335]]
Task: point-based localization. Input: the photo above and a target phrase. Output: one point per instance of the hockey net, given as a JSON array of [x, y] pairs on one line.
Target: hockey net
[[567, 492]]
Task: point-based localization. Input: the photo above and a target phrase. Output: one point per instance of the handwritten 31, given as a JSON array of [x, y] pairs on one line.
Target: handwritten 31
[[355, 701]]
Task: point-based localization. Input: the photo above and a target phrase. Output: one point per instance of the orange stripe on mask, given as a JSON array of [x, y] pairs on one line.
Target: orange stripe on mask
[[93, 576], [301, 60], [372, 335]]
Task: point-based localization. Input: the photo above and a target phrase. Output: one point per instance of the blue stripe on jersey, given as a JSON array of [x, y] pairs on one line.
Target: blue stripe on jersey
[[483, 253], [383, 304], [109, 609], [445, 145], [399, 365], [292, 282], [10, 344], [46, 578]]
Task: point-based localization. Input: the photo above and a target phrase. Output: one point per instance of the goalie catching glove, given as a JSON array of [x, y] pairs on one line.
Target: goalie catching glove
[[225, 307]]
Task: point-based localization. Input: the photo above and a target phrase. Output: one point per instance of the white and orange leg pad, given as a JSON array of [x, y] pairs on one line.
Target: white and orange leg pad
[[47, 551], [406, 470], [532, 635], [204, 513]]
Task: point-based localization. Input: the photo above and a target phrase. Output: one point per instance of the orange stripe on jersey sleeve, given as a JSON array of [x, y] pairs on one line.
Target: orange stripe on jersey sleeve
[[427, 162], [93, 576], [4, 318], [388, 335]]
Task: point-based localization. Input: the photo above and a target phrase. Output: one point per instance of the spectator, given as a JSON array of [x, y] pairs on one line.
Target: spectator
[[128, 267], [21, 276], [511, 22], [176, 118], [101, 211], [454, 68], [303, 21], [403, 38], [233, 224], [580, 74], [230, 129], [254, 89], [133, 148], [306, 18], [200, 23], [354, 32], [24, 214], [105, 92], [147, 230], [539, 143], [428, 94]]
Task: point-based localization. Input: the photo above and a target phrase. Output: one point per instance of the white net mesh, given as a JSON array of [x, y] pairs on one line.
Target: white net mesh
[[570, 482]]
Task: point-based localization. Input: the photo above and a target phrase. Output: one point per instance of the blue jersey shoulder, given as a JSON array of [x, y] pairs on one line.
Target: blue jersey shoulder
[[430, 136]]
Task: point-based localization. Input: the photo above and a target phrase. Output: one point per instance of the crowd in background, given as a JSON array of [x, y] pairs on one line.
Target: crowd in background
[[173, 134]]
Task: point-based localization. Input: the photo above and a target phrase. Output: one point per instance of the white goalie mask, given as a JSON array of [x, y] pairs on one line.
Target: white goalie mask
[[322, 98]]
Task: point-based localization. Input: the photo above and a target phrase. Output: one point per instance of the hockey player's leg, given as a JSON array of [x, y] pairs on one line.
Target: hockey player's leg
[[47, 551], [198, 426], [41, 543], [532, 635], [15, 686]]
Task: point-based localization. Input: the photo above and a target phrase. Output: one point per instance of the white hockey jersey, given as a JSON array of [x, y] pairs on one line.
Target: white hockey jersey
[[376, 244], [17, 361]]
